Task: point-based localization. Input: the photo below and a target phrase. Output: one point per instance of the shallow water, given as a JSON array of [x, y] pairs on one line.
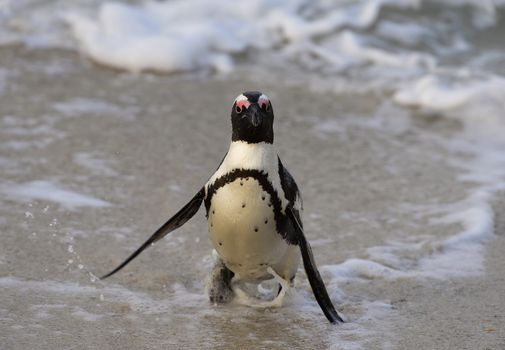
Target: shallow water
[[398, 190]]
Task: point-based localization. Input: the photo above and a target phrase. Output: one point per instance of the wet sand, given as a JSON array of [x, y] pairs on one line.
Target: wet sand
[[464, 313], [145, 144]]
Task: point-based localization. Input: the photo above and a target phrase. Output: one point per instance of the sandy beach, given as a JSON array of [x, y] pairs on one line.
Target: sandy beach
[[94, 159], [389, 114]]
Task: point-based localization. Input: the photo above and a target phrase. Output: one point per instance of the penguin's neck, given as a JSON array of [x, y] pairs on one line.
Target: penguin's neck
[[260, 156], [243, 155]]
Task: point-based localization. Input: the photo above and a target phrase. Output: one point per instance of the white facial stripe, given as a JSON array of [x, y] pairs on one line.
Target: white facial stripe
[[241, 97]]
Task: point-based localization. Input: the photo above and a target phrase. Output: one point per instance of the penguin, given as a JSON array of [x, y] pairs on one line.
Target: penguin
[[253, 209]]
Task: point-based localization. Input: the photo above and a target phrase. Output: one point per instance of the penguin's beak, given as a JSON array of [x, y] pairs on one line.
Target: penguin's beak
[[253, 115]]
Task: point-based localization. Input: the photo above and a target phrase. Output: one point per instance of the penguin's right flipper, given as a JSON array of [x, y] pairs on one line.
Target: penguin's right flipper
[[313, 275], [173, 223]]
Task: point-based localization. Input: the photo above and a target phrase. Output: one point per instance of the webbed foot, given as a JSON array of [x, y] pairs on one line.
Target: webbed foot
[[219, 284], [245, 299]]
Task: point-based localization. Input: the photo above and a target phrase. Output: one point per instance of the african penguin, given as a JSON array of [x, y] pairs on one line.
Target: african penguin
[[253, 208]]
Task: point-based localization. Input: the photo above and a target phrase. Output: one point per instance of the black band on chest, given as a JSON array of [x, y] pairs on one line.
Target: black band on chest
[[265, 183]]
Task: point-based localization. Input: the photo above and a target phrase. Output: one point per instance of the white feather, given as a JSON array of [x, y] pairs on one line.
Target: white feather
[[252, 156], [241, 97]]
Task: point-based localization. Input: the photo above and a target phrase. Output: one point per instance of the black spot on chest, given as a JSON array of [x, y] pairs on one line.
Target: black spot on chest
[[281, 220]]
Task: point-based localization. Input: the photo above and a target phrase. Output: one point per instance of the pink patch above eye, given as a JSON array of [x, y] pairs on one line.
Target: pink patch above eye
[[264, 102], [243, 104]]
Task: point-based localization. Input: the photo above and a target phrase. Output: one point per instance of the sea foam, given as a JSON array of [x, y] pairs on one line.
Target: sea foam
[[50, 191], [188, 35]]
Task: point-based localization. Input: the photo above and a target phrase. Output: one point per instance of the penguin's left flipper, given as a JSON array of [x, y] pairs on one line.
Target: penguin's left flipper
[[176, 221], [313, 275]]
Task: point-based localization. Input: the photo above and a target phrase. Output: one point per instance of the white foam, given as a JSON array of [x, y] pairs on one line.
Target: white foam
[[478, 103], [145, 38], [181, 35], [138, 301], [459, 254], [353, 269], [405, 33], [44, 311], [94, 164], [463, 253], [85, 315], [79, 106], [433, 92], [352, 45], [50, 191]]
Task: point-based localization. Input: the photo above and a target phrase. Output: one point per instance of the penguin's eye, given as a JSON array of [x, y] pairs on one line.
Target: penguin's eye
[[240, 105], [264, 104]]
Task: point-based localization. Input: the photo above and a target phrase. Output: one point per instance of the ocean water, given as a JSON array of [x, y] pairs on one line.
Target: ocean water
[[391, 116]]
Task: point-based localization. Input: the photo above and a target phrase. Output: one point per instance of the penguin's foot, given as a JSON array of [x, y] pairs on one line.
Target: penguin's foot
[[245, 299], [219, 284]]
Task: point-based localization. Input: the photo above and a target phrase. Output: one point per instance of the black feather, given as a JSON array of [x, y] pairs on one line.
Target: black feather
[[315, 280], [173, 223]]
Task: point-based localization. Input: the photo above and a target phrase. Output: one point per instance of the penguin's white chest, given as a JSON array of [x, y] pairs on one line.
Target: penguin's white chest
[[243, 229]]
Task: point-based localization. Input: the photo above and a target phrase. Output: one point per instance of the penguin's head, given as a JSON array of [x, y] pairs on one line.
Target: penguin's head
[[252, 118]]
